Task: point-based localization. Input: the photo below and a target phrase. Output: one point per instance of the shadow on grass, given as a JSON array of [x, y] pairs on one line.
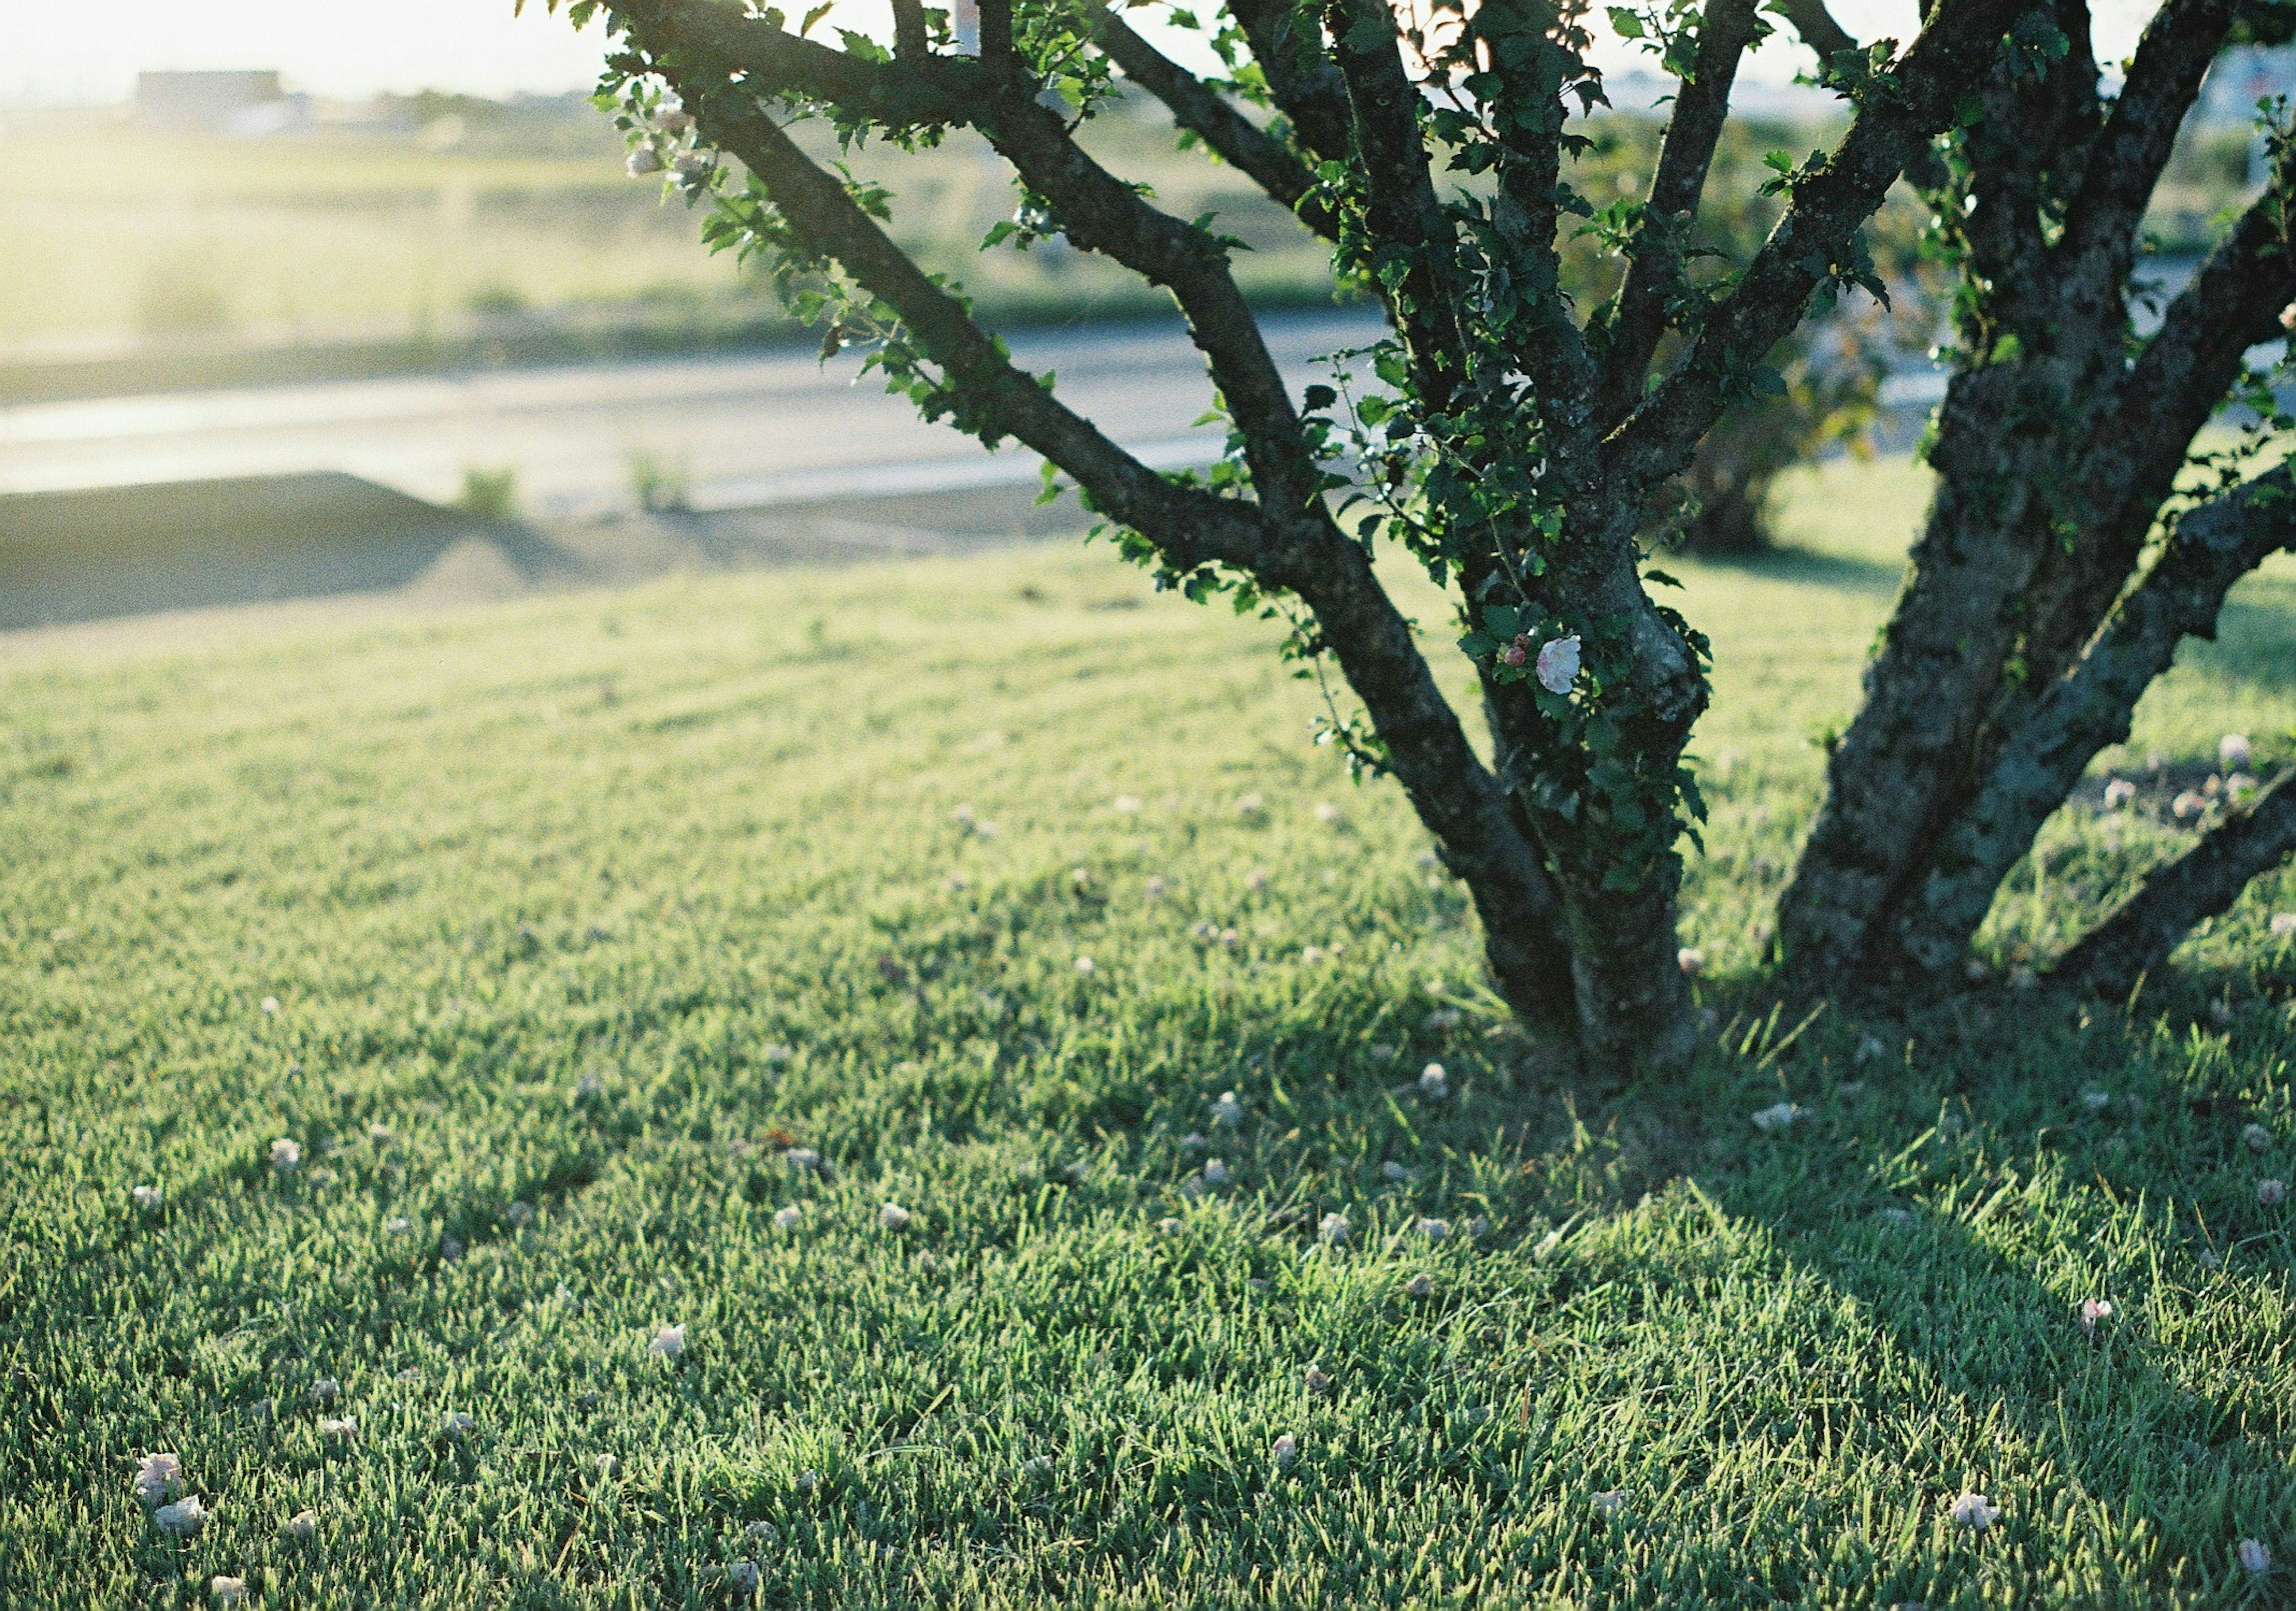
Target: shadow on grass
[[1968, 1202], [1810, 567]]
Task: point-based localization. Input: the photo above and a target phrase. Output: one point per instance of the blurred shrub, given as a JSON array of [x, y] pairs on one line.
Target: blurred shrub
[[491, 494]]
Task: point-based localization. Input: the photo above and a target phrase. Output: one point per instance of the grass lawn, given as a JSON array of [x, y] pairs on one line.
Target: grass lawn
[[552, 932]]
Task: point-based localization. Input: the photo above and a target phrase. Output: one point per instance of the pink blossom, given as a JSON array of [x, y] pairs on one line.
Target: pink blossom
[[1558, 664]]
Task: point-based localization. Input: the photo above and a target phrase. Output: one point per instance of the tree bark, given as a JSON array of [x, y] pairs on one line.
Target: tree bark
[[2177, 898]]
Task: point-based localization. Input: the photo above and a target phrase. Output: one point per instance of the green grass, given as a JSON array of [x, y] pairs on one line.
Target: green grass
[[597, 901], [376, 232]]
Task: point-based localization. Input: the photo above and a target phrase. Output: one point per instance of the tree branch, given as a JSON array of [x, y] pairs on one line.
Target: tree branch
[[2213, 546], [911, 42], [1815, 26], [1898, 114], [2177, 898], [2164, 77], [1189, 527], [1197, 107], [718, 43], [2232, 304], [1302, 81], [1401, 209], [1685, 156]]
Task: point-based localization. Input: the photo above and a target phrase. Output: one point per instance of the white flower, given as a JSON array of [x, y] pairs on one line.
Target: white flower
[[802, 1157], [808, 1481], [182, 1519], [1037, 1464], [669, 1342], [2255, 1559], [1422, 1285], [2233, 752], [1227, 1111], [1086, 965], [345, 1428], [2093, 1310], [2118, 793], [691, 165], [158, 1477], [1691, 961], [286, 1155], [1255, 880], [741, 1577], [1478, 1228], [456, 1423], [1776, 1116], [778, 1056], [1434, 1084], [2283, 925], [892, 1216], [1558, 664], [327, 1390], [589, 1087], [1334, 1228], [2191, 802], [147, 1198], [270, 1004], [1216, 1173], [672, 117], [645, 160], [2258, 1139], [1975, 1512], [2096, 1102], [1435, 1229], [1168, 1227], [1312, 956], [1286, 1451], [1327, 813], [1443, 1019], [303, 1524], [398, 1224], [227, 1590], [787, 1218], [2272, 1193]]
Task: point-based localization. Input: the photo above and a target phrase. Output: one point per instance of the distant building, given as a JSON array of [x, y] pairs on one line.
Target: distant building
[[241, 103]]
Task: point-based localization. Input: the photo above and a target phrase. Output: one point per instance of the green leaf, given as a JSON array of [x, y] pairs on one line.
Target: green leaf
[[1629, 25], [1320, 397]]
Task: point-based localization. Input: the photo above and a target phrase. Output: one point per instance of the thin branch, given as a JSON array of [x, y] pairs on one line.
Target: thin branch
[[1899, 112], [2232, 304], [1197, 107], [1685, 157], [1190, 527], [1400, 204], [2164, 77], [911, 42], [718, 43], [2174, 899], [2213, 547], [1815, 26]]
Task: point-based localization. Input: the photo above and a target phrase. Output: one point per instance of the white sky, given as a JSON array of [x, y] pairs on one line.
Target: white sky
[[56, 52]]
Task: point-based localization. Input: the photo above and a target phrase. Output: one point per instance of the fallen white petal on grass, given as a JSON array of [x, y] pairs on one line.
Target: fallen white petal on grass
[[343, 1427], [158, 1477], [786, 1219], [1434, 1084], [286, 1155], [182, 1519], [147, 1198], [1691, 961], [1286, 1451], [2093, 1310], [669, 1342], [1435, 1229], [456, 1423], [1778, 1116], [1422, 1285], [2255, 1559], [1334, 1228], [1610, 1501], [303, 1524], [2272, 1193], [2258, 1138], [227, 1590], [892, 1216], [1975, 1512], [2233, 751], [1216, 1173], [1227, 1112]]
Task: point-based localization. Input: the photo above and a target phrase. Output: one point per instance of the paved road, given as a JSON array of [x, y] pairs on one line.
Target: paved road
[[748, 429]]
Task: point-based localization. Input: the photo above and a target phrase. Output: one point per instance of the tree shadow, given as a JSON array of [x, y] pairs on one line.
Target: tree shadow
[[1814, 567], [1938, 1201]]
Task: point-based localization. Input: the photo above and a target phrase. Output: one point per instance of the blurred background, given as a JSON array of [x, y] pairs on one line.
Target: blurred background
[[360, 299]]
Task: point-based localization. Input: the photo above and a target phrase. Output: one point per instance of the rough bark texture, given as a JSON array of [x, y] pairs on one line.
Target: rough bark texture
[[1567, 843], [2013, 655], [2203, 882]]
